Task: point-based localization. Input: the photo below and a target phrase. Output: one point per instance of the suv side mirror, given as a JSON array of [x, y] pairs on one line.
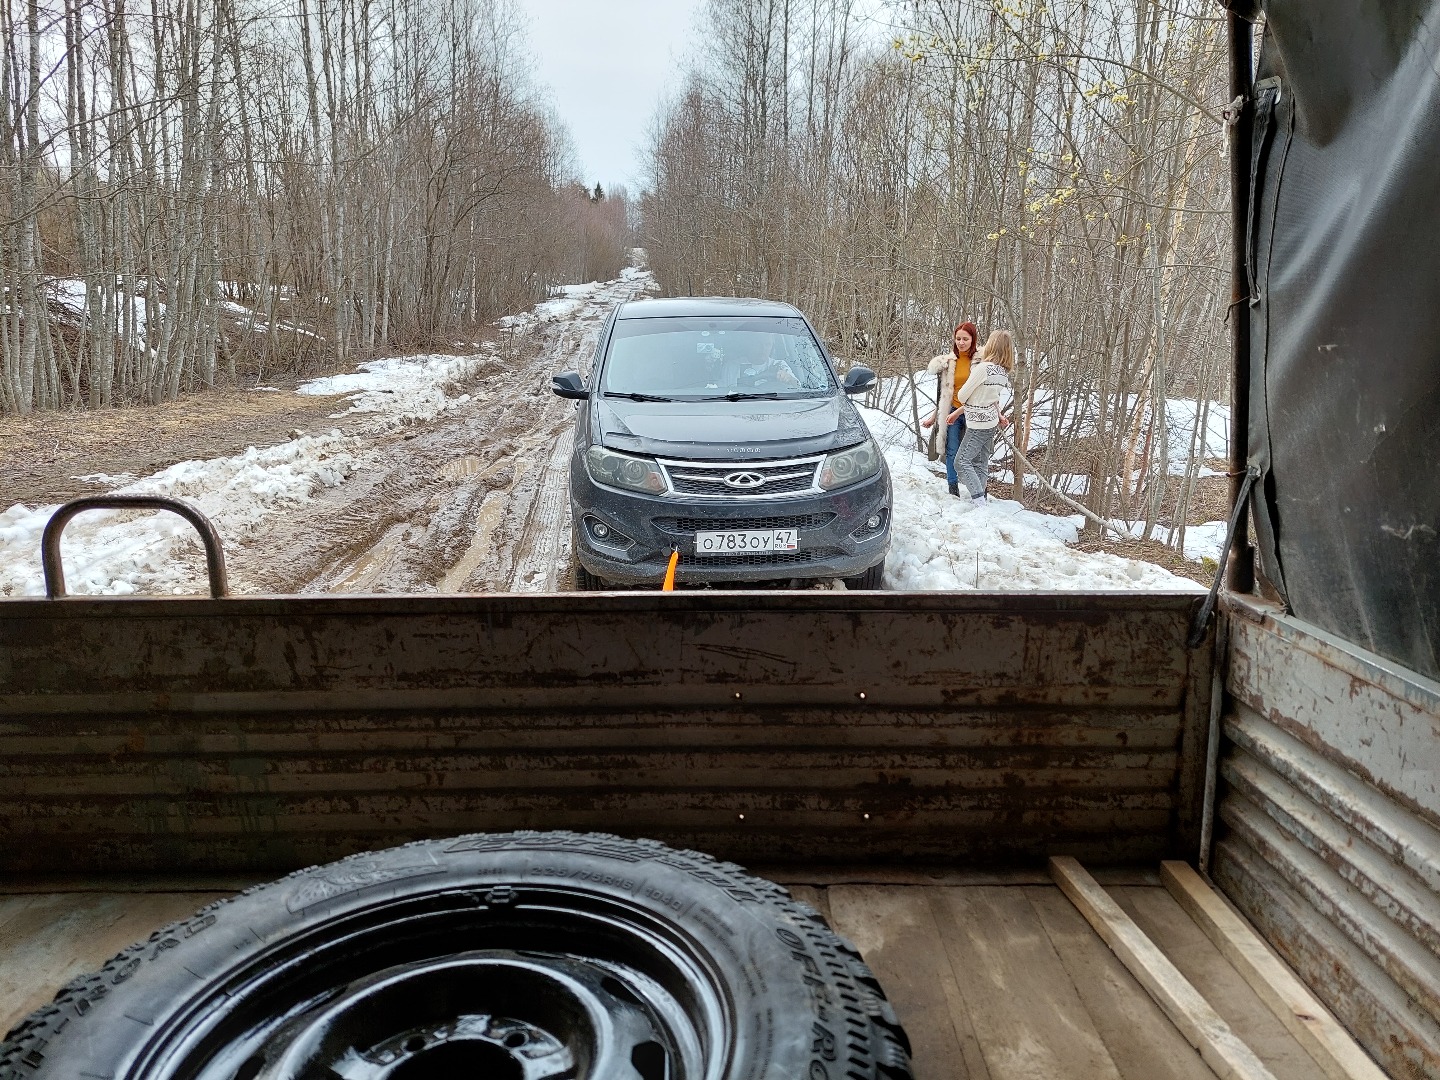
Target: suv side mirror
[[568, 384], [858, 380]]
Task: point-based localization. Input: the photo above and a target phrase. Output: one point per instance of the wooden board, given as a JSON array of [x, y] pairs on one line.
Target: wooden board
[[1195, 955], [1009, 984], [1142, 1041], [1332, 1047], [896, 930], [1223, 1050]]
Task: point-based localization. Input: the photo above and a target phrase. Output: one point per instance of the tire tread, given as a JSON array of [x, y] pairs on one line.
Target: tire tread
[[876, 1047]]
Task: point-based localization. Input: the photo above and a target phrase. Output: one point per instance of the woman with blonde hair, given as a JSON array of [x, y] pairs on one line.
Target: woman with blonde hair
[[952, 369], [981, 397]]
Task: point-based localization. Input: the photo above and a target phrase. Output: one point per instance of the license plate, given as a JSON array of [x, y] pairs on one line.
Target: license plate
[[746, 541]]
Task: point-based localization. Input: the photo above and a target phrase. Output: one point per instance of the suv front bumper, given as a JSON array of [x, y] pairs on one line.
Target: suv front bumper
[[834, 539]]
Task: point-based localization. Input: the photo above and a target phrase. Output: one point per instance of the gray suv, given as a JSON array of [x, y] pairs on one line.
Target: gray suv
[[718, 428]]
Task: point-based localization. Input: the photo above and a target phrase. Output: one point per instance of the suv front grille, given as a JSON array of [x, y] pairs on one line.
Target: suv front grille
[[708, 479], [690, 525]]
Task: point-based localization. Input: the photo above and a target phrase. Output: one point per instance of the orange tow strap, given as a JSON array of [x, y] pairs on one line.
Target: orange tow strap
[[669, 585]]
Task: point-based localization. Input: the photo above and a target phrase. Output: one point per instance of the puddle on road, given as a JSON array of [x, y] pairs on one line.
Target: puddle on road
[[492, 510], [460, 468]]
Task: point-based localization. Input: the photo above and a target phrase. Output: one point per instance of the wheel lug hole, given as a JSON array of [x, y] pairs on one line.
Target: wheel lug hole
[[414, 1044], [516, 1039]]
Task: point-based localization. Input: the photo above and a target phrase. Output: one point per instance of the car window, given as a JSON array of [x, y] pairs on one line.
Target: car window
[[698, 358]]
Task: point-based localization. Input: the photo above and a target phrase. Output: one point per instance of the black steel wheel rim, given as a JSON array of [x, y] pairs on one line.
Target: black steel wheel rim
[[505, 983]]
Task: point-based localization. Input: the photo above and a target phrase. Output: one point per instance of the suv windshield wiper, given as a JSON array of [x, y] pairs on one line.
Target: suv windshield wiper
[[637, 397], [737, 395]]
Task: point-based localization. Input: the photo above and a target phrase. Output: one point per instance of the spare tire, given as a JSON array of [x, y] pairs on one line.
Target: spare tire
[[519, 956]]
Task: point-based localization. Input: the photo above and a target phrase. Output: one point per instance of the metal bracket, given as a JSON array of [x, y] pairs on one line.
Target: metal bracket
[[50, 540], [1207, 610]]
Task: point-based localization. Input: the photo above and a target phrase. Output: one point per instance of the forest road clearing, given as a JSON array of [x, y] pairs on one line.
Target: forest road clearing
[[428, 473], [475, 500], [450, 473]]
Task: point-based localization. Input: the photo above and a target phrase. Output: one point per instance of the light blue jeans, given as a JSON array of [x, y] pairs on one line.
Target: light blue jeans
[[972, 459]]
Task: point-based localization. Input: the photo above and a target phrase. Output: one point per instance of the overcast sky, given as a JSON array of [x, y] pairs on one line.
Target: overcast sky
[[607, 64]]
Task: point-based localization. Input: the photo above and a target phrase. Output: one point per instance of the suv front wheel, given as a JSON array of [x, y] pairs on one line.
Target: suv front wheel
[[870, 581]]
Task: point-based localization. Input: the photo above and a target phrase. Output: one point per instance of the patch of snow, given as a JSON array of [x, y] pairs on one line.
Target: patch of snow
[[122, 552], [1070, 483], [108, 480], [404, 388], [1201, 541], [70, 293], [939, 542]]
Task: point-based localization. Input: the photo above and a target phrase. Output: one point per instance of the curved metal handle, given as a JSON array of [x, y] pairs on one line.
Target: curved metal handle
[[50, 539]]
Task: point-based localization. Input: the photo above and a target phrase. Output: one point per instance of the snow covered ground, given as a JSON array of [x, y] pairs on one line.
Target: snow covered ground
[[1182, 416], [404, 388], [939, 542], [115, 553]]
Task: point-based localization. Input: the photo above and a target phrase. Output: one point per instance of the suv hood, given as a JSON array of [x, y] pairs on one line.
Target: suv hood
[[728, 430]]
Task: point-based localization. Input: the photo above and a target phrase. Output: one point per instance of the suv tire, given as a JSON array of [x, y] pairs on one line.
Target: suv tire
[[555, 953], [871, 580], [586, 581]]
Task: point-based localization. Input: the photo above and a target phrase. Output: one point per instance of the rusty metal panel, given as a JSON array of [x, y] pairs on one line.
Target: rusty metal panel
[[1330, 826], [274, 732]]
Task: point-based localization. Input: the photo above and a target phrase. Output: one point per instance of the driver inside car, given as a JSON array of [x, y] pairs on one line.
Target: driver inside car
[[755, 364]]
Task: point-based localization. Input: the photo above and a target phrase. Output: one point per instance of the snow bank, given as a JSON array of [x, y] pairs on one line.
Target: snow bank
[[939, 542], [123, 552], [404, 389], [1201, 541]]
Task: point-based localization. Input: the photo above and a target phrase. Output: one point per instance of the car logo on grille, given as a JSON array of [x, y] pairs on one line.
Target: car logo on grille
[[744, 479]]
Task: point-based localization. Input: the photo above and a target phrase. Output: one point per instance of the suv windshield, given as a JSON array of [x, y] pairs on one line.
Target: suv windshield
[[709, 358]]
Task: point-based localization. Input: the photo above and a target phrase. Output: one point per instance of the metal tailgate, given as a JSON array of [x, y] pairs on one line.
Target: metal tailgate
[[270, 733]]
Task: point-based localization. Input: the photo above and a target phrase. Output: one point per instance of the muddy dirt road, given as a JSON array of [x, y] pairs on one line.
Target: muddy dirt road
[[475, 499], [427, 473]]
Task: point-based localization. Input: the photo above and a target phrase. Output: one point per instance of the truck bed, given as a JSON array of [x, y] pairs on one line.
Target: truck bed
[[996, 977]]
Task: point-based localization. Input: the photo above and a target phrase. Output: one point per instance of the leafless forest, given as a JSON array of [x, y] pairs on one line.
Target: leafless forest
[[202, 192], [199, 190], [1053, 168]]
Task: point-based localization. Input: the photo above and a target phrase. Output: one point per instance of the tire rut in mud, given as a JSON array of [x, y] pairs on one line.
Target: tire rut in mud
[[474, 500]]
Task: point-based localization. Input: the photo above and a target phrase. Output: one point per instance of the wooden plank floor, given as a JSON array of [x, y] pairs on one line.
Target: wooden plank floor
[[992, 982], [47, 939], [1011, 983]]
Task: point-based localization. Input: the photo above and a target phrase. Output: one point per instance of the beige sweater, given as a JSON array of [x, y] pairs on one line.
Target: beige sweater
[[987, 387]]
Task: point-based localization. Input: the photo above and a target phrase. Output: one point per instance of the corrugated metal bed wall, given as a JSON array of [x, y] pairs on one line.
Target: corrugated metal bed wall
[[267, 734], [1329, 835]]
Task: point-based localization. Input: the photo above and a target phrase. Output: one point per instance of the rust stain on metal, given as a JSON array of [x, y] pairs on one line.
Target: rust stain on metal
[[1331, 835], [281, 732]]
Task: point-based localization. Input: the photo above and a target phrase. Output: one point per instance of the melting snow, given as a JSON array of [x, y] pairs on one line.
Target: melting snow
[[405, 389], [940, 542], [118, 552]]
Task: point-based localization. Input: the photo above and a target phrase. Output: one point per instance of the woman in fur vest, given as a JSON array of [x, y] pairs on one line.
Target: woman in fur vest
[[983, 395], [954, 371]]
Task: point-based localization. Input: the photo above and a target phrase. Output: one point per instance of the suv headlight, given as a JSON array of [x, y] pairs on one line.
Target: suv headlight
[[846, 467], [623, 471]]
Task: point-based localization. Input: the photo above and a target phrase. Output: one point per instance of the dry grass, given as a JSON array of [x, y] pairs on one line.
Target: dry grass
[[1151, 551]]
